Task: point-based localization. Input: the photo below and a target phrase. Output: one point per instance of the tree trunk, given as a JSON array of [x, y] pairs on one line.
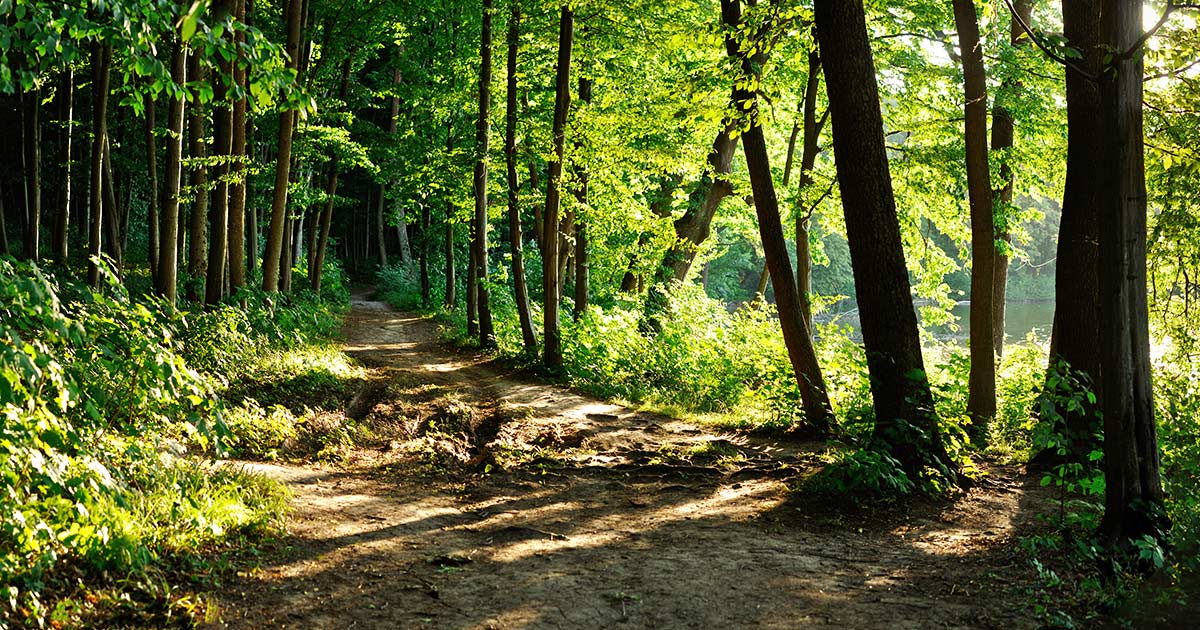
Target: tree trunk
[[101, 61], [405, 250], [218, 240], [198, 151], [905, 423], [479, 247], [152, 219], [380, 231], [450, 300], [1133, 501], [1077, 306], [981, 396], [423, 254], [318, 255], [32, 136], [550, 278], [581, 242], [168, 263], [817, 410], [62, 221], [112, 211], [283, 164], [1003, 133], [237, 187], [3, 224], [516, 246], [808, 161]]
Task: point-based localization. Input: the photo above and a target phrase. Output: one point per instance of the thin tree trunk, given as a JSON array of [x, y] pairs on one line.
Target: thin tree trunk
[[152, 219], [405, 249], [808, 161], [218, 240], [237, 188], [32, 136], [516, 246], [1003, 134], [423, 254], [63, 219], [550, 279], [283, 164], [380, 231], [905, 423], [581, 241], [331, 186], [168, 256], [981, 396], [818, 411], [197, 151], [112, 211], [479, 247], [101, 61], [3, 224]]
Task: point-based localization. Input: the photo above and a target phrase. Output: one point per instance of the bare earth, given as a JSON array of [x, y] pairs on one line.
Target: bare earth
[[555, 510]]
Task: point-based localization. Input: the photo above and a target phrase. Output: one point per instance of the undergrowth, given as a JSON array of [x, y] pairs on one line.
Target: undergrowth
[[108, 400]]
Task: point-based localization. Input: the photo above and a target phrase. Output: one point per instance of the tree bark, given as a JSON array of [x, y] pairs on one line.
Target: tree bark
[[981, 386], [813, 125], [237, 187], [1133, 501], [817, 410], [905, 423], [197, 151], [218, 239], [423, 254], [152, 218], [580, 305], [331, 185], [32, 136], [405, 249], [101, 61], [283, 164], [166, 281], [1003, 135], [479, 246], [552, 354], [516, 245], [62, 221]]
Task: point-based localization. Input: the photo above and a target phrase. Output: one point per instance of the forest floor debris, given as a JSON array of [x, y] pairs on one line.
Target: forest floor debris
[[488, 499]]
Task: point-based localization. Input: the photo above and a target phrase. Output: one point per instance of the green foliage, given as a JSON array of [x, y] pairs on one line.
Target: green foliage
[[861, 476]]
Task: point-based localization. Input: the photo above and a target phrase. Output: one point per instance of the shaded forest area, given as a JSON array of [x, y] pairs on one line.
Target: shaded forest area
[[759, 217]]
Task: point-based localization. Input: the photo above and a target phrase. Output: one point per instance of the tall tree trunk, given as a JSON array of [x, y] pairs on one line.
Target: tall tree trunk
[[237, 187], [3, 224], [32, 136], [1133, 499], [1077, 306], [1003, 134], [168, 263], [218, 240], [112, 211], [197, 151], [380, 227], [479, 247], [581, 241], [813, 125], [152, 219], [283, 164], [62, 221], [449, 299], [331, 186], [101, 61], [905, 423], [817, 410], [551, 285], [981, 396], [423, 243], [404, 250], [516, 246]]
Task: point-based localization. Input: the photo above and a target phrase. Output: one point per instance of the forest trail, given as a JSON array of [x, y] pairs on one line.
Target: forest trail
[[555, 510]]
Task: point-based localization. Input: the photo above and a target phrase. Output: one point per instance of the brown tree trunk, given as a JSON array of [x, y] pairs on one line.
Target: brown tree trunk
[[32, 137], [1133, 500], [405, 249], [101, 61], [981, 396], [516, 246], [318, 255], [550, 278], [817, 410], [905, 423], [198, 151], [168, 266], [237, 187], [479, 246], [423, 254], [152, 219], [1003, 134], [112, 211], [283, 164], [580, 253], [218, 239], [62, 221], [808, 160]]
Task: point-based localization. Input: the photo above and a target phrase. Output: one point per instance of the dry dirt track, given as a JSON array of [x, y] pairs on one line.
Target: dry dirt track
[[610, 536]]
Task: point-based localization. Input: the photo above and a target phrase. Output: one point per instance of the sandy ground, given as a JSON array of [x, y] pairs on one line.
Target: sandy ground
[[585, 519]]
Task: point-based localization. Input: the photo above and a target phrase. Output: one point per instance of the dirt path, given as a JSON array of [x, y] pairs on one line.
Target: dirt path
[[589, 517]]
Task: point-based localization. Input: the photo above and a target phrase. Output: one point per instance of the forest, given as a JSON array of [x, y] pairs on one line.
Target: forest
[[665, 313]]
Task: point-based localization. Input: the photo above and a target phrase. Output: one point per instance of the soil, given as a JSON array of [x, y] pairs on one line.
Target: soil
[[489, 499]]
